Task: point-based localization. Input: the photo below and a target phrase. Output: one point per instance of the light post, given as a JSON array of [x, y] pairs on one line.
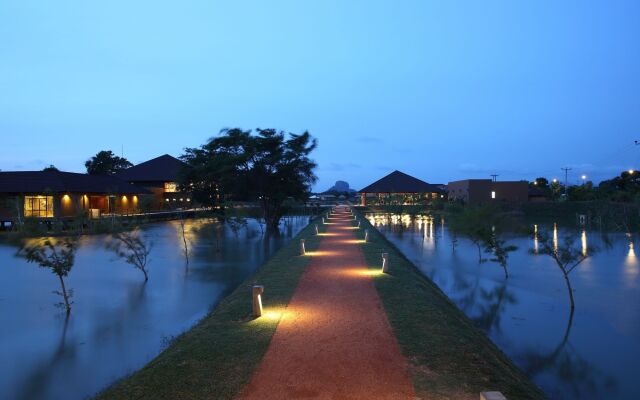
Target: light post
[[584, 179], [256, 294]]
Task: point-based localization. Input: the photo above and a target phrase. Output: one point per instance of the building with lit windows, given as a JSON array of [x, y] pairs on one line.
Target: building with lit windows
[[57, 194], [482, 191], [160, 177], [399, 188]]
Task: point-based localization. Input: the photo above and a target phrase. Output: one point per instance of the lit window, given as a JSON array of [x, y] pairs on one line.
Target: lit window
[[493, 195], [170, 187], [38, 206]]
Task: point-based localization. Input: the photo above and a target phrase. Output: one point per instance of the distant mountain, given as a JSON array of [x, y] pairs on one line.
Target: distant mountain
[[340, 187]]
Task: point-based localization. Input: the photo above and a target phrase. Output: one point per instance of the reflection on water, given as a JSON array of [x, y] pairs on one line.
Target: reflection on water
[[118, 323], [591, 354]]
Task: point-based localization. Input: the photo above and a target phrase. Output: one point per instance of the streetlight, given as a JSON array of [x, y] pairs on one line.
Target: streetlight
[[631, 172], [554, 180], [584, 178]]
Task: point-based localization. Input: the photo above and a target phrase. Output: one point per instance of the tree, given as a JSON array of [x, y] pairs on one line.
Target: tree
[[567, 255], [133, 249], [51, 168], [500, 250], [58, 256], [267, 168], [106, 163]]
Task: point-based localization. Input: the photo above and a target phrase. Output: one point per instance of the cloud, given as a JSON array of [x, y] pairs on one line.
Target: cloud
[[341, 166]]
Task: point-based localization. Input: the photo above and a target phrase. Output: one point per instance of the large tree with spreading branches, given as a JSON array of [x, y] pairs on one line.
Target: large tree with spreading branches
[[267, 167]]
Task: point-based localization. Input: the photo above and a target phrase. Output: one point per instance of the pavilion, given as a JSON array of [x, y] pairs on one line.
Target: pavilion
[[400, 188]]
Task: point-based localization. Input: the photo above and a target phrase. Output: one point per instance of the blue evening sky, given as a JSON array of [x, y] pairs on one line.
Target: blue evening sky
[[442, 90]]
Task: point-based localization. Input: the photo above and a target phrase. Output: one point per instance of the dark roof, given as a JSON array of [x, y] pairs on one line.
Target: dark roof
[[399, 182], [160, 169], [64, 182]]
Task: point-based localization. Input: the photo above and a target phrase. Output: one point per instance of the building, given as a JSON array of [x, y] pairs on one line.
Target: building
[[399, 188], [482, 191], [160, 177], [56, 194]]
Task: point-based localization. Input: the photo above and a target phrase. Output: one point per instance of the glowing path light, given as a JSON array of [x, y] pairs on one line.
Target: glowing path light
[[317, 232], [256, 293], [385, 262], [366, 235], [302, 249]]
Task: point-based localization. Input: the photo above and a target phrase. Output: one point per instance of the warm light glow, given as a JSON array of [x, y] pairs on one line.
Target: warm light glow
[[66, 198], [555, 237], [170, 187], [328, 234], [325, 253], [361, 272], [38, 206], [583, 239], [631, 171], [353, 241]]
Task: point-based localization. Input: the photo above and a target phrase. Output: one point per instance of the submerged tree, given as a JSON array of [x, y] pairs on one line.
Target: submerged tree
[[268, 168], [500, 250], [566, 254], [59, 257], [184, 238], [133, 249]]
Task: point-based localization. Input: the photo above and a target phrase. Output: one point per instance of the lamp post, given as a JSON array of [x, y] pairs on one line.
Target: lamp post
[[256, 294], [584, 179], [385, 262]]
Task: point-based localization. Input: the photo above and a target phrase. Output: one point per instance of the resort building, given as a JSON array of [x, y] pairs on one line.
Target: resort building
[[56, 194], [160, 177], [399, 188], [482, 191]]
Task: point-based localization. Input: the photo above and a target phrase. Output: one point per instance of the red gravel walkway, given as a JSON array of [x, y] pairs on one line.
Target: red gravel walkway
[[334, 340]]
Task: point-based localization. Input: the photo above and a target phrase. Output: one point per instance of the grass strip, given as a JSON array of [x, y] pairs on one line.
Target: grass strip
[[449, 357], [217, 357]]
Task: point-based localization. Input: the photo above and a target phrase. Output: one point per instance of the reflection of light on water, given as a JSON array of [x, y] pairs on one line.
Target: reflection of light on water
[[535, 238], [555, 237], [583, 239], [631, 263]]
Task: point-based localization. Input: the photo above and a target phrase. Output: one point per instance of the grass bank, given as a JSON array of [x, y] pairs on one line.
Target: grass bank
[[216, 358], [448, 355]]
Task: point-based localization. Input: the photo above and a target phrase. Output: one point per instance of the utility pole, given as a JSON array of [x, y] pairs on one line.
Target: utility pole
[[566, 179], [494, 177]]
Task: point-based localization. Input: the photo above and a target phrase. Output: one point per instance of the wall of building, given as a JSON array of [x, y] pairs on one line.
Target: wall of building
[[482, 191]]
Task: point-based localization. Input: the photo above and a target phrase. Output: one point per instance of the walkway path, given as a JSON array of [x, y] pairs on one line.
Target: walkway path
[[334, 340]]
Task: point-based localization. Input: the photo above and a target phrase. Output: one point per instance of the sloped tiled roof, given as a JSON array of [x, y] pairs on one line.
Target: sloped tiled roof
[[160, 169], [64, 182], [399, 182]]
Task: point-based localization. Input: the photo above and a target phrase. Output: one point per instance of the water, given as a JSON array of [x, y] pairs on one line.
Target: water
[[595, 355], [117, 323]]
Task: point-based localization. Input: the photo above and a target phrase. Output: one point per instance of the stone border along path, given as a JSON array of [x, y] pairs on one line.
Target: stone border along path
[[334, 340]]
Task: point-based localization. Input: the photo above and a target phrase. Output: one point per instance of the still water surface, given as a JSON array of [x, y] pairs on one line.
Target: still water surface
[[118, 323], [597, 356]]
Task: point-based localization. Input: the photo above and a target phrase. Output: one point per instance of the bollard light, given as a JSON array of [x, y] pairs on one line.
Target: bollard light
[[302, 251], [366, 235], [323, 221], [385, 262], [358, 224], [256, 293], [317, 233]]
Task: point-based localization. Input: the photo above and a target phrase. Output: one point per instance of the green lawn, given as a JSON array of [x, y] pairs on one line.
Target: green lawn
[[216, 358], [448, 355]]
